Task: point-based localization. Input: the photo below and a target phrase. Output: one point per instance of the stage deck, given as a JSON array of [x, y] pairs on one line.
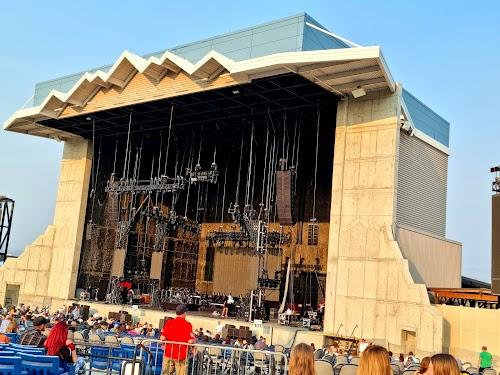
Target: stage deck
[[274, 333]]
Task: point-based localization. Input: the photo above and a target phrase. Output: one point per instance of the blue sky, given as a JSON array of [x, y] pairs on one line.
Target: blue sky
[[446, 53]]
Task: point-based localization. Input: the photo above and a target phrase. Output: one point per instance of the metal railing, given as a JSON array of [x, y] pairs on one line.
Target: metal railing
[[148, 357]]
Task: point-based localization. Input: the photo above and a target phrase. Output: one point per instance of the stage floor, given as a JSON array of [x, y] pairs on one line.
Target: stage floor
[[274, 333]]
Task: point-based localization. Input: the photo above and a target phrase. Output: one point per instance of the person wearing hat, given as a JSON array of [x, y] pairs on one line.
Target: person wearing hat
[[35, 335], [177, 330]]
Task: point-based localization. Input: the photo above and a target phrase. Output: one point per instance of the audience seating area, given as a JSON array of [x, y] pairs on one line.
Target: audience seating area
[[28, 360], [341, 365]]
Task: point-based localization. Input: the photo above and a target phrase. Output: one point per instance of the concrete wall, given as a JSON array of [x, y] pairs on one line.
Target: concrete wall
[[466, 329], [48, 267], [368, 280]]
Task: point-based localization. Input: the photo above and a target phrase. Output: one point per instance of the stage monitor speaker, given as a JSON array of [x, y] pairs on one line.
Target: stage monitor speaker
[[284, 200], [495, 244], [118, 262], [156, 265]]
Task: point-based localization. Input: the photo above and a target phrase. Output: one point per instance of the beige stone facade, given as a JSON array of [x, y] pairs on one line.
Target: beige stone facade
[[370, 292], [48, 267]]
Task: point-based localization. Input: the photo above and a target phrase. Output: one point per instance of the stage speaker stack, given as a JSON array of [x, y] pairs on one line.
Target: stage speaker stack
[[156, 265], [284, 200], [118, 262], [495, 244], [85, 312]]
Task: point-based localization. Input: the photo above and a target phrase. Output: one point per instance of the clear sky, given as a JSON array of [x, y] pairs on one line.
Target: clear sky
[[447, 53]]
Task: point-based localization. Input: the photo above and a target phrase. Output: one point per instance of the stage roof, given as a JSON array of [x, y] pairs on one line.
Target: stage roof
[[296, 44]]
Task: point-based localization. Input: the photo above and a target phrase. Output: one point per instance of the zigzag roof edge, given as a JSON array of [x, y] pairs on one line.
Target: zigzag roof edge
[[140, 64], [249, 66]]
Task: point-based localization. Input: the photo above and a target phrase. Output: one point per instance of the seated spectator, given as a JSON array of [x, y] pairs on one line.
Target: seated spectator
[[374, 361], [313, 347], [424, 365], [57, 344], [443, 364], [150, 331], [5, 322], [239, 342], [4, 339], [12, 327], [35, 336], [301, 360], [410, 360], [401, 358], [332, 349], [216, 339], [261, 344], [227, 341], [250, 344]]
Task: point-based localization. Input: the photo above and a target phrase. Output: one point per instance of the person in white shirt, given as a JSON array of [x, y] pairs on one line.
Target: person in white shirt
[[75, 312], [5, 323], [362, 346], [218, 328], [230, 299]]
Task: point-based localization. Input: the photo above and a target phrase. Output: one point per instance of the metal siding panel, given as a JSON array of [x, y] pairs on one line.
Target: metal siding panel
[[284, 45], [427, 120], [283, 35], [422, 186], [316, 40]]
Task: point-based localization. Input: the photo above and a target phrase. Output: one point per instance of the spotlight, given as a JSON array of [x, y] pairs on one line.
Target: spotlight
[[359, 92]]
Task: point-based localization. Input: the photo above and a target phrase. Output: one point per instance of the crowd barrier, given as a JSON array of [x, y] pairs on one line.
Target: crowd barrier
[[147, 358]]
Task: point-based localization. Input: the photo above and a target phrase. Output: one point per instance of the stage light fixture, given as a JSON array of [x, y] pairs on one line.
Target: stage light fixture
[[359, 92]]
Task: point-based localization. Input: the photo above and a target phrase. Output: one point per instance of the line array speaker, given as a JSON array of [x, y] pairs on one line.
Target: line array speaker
[[284, 201], [118, 262], [156, 265]]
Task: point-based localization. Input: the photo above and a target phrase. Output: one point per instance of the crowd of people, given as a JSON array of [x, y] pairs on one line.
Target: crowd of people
[[43, 329], [376, 360]]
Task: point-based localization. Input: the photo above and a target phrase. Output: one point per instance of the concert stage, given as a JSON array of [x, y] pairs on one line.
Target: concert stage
[[280, 163], [274, 333]]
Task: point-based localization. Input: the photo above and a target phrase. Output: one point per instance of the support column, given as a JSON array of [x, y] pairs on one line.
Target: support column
[[369, 288], [69, 217]]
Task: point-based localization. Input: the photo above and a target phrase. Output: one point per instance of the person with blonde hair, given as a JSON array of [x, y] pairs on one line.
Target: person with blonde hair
[[12, 327], [443, 364], [301, 360], [374, 361]]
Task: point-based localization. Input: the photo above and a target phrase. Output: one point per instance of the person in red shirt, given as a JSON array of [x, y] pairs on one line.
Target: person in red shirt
[[176, 330]]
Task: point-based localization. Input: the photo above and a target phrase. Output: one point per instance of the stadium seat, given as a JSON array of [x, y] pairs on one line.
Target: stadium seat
[[10, 365], [354, 360], [156, 361], [323, 367], [116, 364], [318, 354], [13, 337], [99, 358], [32, 364], [127, 340], [7, 353], [349, 369], [472, 370]]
